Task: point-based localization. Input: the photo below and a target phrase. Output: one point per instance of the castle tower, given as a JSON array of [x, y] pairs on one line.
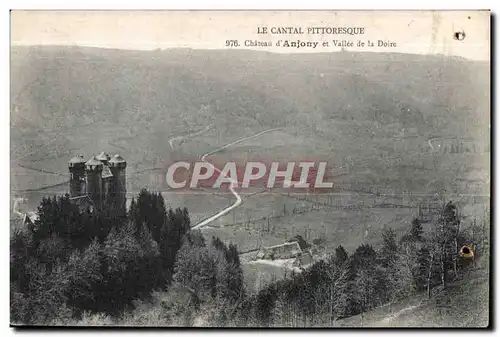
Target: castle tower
[[107, 177], [93, 172], [118, 167], [76, 167]]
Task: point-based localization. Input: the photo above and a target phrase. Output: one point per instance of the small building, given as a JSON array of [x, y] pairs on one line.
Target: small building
[[284, 251], [83, 202], [304, 260]]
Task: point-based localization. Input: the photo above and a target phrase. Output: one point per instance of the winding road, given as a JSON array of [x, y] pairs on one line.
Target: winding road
[[433, 147], [430, 143], [172, 140], [231, 188]]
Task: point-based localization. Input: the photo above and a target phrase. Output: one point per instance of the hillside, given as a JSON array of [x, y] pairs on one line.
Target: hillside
[[465, 303], [397, 130], [64, 86], [371, 115], [60, 93]]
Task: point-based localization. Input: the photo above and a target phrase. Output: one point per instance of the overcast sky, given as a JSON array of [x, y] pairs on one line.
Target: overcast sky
[[420, 32]]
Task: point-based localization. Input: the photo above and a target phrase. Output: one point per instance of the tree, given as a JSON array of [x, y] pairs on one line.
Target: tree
[[446, 232], [429, 266], [388, 259], [58, 216], [416, 230], [194, 267], [361, 280], [126, 268], [365, 285], [402, 279], [337, 282], [52, 250], [477, 234], [340, 256], [389, 249], [72, 260], [167, 227], [84, 272], [148, 268], [148, 210], [210, 271], [21, 249], [229, 273], [176, 226], [300, 240], [411, 245], [45, 297]]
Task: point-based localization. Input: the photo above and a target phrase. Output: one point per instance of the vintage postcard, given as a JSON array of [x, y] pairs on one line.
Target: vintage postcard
[[250, 168]]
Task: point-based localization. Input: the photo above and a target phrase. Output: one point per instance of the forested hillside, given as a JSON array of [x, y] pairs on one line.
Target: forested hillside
[[58, 87], [147, 267]]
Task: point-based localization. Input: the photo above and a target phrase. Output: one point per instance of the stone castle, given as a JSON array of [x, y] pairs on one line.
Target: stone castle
[[98, 181]]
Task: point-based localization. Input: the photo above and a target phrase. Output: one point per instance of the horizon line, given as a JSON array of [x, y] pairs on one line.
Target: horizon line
[[346, 51]]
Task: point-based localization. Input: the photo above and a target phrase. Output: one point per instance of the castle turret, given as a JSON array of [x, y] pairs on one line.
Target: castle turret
[[118, 167], [76, 167], [93, 172]]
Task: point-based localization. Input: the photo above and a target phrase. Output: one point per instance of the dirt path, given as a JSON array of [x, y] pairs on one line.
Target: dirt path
[[197, 133], [387, 321]]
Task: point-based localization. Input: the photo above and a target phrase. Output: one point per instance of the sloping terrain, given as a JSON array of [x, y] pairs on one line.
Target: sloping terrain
[[374, 115], [62, 86], [465, 303], [360, 107]]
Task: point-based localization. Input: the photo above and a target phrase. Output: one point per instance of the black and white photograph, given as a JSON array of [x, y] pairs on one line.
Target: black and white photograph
[[250, 169]]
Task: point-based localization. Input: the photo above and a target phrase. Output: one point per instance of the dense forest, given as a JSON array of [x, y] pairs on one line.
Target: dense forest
[[147, 267], [71, 260]]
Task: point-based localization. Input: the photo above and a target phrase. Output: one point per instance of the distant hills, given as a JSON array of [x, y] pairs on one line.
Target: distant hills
[[376, 109], [56, 86]]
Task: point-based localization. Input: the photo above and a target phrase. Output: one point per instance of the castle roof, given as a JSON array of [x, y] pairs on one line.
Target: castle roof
[[103, 156], [77, 160], [82, 201], [93, 161], [117, 159]]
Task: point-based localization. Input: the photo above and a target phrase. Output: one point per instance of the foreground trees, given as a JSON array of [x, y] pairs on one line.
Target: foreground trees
[[345, 285], [107, 264], [210, 272], [71, 261]]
